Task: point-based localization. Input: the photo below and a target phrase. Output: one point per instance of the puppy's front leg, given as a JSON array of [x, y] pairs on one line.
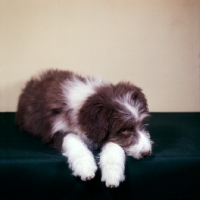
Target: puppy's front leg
[[112, 161], [80, 158]]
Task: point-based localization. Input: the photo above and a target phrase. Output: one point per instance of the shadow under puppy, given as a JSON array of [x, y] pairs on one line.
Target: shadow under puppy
[[77, 114]]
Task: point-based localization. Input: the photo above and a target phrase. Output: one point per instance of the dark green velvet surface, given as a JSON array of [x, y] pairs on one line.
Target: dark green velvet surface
[[30, 169]]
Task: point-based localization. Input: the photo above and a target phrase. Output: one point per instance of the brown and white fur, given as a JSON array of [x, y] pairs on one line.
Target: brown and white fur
[[76, 114]]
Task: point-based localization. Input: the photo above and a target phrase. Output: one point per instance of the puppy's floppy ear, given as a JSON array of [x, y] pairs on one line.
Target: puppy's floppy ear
[[93, 118]]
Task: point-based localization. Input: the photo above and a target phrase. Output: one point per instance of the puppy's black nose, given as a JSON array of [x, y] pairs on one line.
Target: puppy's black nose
[[145, 153]]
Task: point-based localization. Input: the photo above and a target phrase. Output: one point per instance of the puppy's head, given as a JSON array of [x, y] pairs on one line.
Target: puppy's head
[[118, 114]]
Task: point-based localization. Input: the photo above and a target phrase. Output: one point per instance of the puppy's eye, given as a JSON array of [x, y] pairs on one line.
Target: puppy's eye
[[126, 132]]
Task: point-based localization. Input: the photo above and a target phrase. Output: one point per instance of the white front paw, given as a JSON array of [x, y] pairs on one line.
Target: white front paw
[[112, 161], [84, 167], [112, 177]]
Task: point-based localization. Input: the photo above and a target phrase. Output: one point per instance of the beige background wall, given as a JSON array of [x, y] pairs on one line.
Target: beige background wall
[[153, 43]]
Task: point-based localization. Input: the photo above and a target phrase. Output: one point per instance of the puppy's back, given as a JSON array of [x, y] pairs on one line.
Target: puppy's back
[[40, 102]]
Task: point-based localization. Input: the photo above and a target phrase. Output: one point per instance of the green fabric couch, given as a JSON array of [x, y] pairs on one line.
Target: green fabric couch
[[30, 169]]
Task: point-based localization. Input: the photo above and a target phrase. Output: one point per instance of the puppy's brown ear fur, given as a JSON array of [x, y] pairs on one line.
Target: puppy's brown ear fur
[[93, 118]]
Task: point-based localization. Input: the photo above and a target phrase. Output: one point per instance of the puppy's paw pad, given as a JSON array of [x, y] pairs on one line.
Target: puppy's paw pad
[[85, 169], [111, 186], [87, 174], [89, 178], [113, 179]]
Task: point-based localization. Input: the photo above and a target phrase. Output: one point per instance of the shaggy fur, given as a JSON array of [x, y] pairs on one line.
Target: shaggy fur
[[76, 113]]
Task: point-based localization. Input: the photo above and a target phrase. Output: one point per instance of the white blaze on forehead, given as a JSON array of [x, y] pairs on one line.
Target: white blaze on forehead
[[77, 91], [133, 109], [132, 106]]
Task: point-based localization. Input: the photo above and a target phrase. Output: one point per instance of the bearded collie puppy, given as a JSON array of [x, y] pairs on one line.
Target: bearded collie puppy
[[77, 114]]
